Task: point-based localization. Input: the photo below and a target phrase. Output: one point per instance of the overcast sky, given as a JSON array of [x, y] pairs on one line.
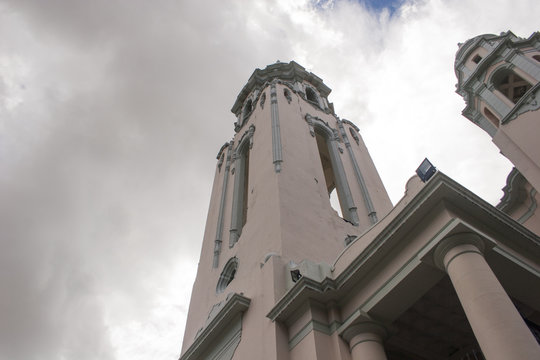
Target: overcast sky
[[112, 113]]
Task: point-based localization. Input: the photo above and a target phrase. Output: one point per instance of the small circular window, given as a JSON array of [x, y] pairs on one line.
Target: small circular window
[[227, 275]]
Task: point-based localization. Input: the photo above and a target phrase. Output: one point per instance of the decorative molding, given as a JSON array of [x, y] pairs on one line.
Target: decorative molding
[[222, 148], [276, 130], [232, 308], [349, 239], [312, 325], [451, 242], [246, 113], [291, 72], [248, 134], [314, 121], [351, 124], [372, 214], [360, 322], [227, 274], [532, 208], [219, 227], [511, 191]]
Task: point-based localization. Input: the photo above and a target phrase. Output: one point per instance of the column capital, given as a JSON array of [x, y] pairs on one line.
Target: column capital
[[365, 325], [468, 242]]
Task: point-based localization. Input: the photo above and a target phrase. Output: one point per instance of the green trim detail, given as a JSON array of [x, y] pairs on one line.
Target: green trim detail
[[367, 340], [313, 325]]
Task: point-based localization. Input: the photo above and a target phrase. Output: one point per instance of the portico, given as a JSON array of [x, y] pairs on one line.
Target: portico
[[439, 270]]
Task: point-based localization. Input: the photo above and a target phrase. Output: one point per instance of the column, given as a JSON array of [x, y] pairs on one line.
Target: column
[[497, 325], [366, 341]]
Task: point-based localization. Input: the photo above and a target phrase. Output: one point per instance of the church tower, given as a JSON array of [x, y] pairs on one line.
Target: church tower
[[271, 220], [499, 78]]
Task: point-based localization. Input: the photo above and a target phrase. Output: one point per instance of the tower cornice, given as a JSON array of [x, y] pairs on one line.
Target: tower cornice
[[291, 71]]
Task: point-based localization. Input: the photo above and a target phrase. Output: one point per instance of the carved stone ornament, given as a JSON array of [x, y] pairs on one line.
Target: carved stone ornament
[[287, 94], [248, 134], [220, 162], [355, 136], [263, 99], [309, 120], [251, 131]]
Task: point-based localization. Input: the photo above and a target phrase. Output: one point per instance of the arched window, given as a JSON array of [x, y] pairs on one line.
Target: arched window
[[311, 96], [511, 85], [227, 275], [332, 168], [241, 184], [326, 163], [329, 159]]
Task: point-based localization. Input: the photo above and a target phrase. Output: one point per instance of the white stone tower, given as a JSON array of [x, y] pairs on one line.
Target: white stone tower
[[270, 220]]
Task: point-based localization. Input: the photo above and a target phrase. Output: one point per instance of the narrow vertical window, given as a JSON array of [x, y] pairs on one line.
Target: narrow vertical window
[[246, 186], [239, 213], [332, 168], [328, 171]]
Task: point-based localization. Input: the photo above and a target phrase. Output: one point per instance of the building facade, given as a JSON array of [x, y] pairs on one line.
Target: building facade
[[304, 256]]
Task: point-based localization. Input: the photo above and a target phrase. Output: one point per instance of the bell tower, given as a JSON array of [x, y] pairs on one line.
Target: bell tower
[[271, 218], [499, 78]]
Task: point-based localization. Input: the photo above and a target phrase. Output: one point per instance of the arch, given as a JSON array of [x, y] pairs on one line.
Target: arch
[[227, 275], [332, 167], [510, 84]]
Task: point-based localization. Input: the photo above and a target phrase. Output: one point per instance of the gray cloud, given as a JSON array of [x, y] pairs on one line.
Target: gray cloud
[[111, 115]]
